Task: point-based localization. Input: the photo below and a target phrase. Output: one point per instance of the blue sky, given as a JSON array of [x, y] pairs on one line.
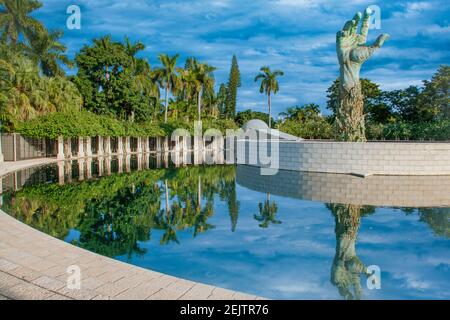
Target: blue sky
[[296, 36]]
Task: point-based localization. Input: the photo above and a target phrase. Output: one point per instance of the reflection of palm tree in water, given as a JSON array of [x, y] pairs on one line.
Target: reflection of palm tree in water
[[347, 267], [176, 217], [267, 213]]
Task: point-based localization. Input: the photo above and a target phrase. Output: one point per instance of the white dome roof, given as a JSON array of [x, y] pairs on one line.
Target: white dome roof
[[255, 124]]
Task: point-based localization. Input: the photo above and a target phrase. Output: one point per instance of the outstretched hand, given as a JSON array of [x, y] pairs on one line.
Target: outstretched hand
[[351, 45]]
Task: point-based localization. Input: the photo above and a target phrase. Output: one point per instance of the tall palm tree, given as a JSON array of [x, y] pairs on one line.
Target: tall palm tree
[[205, 79], [269, 84], [167, 76], [47, 52], [144, 78], [188, 83], [15, 19]]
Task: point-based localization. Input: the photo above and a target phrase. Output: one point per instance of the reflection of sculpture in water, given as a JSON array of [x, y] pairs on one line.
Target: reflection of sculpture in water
[[267, 213], [347, 267]]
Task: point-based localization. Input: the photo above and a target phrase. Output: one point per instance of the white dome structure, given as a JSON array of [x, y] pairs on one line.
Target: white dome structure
[[255, 124]]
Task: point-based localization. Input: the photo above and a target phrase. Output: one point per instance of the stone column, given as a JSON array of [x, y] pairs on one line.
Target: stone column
[[100, 152], [158, 144], [81, 169], [146, 145], [158, 160], [107, 146], [80, 148], [120, 145], [60, 145], [139, 145], [166, 144], [68, 148], [166, 159], [139, 161], [120, 163], [128, 163], [68, 170], [61, 172], [88, 150], [89, 168], [108, 165], [127, 145], [146, 161], [101, 167], [198, 150], [220, 150]]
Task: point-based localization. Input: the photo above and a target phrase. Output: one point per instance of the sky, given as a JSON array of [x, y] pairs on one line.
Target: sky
[[296, 36]]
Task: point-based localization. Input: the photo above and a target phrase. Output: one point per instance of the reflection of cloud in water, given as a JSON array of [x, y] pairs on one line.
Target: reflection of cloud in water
[[291, 260]]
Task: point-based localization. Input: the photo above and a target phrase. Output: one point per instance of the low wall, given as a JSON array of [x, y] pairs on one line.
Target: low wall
[[378, 158], [391, 191]]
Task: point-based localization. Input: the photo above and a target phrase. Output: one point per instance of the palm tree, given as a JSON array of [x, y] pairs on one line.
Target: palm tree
[[144, 78], [205, 78], [15, 19], [47, 51], [267, 213], [133, 48], [269, 84], [167, 77]]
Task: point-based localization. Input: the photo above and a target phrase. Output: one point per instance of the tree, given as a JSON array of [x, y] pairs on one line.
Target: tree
[[405, 103], [234, 82], [168, 78], [110, 80], [205, 81], [243, 117], [25, 95], [144, 79], [15, 19], [435, 98], [306, 122], [48, 52], [269, 84], [267, 213], [222, 99]]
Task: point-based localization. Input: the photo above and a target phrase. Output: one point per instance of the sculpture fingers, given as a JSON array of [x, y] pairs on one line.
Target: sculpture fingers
[[355, 22], [347, 27], [365, 25], [380, 40]]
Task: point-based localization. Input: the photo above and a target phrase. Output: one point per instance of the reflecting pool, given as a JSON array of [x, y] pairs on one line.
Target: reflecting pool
[[289, 236]]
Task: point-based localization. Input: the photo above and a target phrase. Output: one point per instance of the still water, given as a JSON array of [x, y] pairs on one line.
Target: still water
[[288, 236]]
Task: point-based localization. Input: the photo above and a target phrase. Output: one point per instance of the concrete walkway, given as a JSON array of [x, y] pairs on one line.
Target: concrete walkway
[[34, 265]]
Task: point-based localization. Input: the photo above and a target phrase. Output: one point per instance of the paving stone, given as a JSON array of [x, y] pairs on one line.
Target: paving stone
[[26, 291], [49, 283]]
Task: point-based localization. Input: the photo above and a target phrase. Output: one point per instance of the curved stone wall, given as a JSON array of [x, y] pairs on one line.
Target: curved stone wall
[[389, 191], [385, 158]]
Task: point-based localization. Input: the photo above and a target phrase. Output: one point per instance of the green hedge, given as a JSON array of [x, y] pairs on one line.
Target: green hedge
[[437, 131], [87, 124]]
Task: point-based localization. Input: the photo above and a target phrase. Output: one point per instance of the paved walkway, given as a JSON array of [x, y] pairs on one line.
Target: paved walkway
[[7, 167], [33, 265]]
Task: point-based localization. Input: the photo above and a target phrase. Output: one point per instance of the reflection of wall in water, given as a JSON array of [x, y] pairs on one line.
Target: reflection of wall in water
[[396, 191]]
